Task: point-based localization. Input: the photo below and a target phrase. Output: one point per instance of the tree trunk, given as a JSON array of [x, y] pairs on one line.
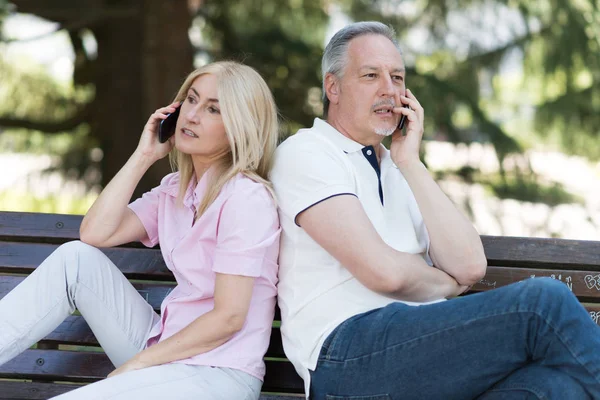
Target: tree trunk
[[144, 53], [141, 64]]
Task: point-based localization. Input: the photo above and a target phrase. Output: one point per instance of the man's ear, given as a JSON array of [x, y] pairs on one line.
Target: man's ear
[[332, 88]]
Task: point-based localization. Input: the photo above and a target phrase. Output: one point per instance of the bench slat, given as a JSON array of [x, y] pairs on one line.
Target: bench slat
[[81, 366], [75, 331], [45, 228], [148, 264], [32, 390], [584, 284], [541, 252], [500, 250]]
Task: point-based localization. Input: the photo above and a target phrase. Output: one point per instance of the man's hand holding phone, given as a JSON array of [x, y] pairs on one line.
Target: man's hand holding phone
[[405, 148], [149, 146]]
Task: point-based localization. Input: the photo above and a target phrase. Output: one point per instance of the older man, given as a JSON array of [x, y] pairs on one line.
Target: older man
[[372, 248]]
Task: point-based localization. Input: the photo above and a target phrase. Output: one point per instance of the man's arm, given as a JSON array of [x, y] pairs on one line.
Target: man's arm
[[341, 226], [455, 245]]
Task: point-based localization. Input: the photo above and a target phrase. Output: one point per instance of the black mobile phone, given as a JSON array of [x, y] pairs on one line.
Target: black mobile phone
[[402, 117], [166, 129]]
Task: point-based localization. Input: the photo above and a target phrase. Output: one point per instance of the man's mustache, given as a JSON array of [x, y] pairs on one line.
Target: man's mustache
[[389, 102]]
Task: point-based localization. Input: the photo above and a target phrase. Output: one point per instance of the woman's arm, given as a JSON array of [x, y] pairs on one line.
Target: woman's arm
[[209, 331], [109, 222]]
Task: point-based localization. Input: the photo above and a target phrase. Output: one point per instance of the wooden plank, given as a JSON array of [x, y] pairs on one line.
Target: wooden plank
[[75, 331], [584, 284], [154, 293], [40, 226], [53, 365], [542, 253], [11, 390], [148, 264], [79, 366]]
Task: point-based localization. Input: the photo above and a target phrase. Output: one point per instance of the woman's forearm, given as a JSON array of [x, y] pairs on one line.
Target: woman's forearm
[[107, 212], [204, 334]]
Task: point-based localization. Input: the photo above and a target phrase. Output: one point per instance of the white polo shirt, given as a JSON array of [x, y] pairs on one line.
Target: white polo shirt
[[316, 293]]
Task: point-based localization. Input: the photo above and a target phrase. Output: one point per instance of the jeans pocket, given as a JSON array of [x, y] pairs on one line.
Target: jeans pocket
[[373, 397]]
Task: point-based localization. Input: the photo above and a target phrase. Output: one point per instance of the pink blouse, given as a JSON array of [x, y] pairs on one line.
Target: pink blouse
[[238, 235]]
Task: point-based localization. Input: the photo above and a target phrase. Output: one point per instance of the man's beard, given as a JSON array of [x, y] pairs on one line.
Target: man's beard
[[384, 131]]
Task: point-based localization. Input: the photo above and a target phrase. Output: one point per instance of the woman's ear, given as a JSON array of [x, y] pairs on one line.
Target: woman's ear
[[332, 88]]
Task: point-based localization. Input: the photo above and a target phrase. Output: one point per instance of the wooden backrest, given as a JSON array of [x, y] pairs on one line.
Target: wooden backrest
[[26, 239], [574, 262]]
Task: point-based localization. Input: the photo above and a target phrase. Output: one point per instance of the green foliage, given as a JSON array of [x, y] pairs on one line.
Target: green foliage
[[4, 10], [28, 92], [59, 204], [528, 188], [559, 41], [282, 40]]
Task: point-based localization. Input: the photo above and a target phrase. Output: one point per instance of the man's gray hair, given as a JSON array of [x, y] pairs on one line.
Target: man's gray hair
[[335, 56]]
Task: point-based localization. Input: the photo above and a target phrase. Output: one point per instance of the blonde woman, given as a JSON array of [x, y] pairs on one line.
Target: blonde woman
[[218, 230]]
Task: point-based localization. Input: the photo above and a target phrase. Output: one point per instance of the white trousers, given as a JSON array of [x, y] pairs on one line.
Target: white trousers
[[79, 276]]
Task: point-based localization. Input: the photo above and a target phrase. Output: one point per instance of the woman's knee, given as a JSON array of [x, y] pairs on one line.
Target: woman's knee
[[70, 255], [79, 250]]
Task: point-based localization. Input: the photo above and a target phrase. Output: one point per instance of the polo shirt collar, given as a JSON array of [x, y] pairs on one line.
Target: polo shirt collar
[[345, 143], [335, 136]]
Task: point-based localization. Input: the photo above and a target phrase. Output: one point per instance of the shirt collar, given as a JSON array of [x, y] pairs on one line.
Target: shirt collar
[[345, 143], [195, 190], [339, 140]]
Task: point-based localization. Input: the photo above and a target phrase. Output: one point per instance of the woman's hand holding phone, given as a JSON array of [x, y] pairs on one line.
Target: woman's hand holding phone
[[149, 146], [405, 148]]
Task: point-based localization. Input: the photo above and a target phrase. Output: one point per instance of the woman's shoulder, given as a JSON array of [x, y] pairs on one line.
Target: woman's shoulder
[[170, 179], [242, 186]]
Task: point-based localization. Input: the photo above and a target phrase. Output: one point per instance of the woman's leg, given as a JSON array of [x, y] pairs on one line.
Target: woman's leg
[[76, 276], [459, 349], [173, 382]]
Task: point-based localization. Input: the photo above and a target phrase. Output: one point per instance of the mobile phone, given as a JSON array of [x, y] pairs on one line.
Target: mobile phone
[[402, 117], [166, 129]]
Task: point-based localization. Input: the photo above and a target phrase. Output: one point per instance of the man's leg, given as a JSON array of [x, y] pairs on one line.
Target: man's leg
[[460, 348], [80, 276], [534, 382]]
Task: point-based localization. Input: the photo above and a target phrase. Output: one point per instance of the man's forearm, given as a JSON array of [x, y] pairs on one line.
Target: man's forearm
[[408, 277], [455, 244]]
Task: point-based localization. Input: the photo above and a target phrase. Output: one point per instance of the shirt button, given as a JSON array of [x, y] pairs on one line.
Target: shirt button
[[369, 152]]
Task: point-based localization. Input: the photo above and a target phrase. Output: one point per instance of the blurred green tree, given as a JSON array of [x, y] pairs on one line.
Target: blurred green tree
[[462, 46], [144, 51], [143, 54]]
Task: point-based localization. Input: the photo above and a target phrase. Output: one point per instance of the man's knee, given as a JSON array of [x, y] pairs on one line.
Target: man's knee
[[546, 287]]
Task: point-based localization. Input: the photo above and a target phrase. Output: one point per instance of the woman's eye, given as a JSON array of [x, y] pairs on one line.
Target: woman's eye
[[213, 110], [191, 99]]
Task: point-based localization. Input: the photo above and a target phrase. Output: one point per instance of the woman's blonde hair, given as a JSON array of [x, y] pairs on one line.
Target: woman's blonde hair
[[251, 125]]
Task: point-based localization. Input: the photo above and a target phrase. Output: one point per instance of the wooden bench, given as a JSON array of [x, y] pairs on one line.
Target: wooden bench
[[70, 356]]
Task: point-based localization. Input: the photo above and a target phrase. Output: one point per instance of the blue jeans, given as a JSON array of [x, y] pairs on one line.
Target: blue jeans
[[528, 340]]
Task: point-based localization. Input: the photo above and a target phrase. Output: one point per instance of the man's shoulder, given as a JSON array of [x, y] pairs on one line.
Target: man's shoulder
[[305, 138]]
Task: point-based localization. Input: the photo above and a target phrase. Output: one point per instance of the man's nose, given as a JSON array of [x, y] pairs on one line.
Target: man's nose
[[387, 87]]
